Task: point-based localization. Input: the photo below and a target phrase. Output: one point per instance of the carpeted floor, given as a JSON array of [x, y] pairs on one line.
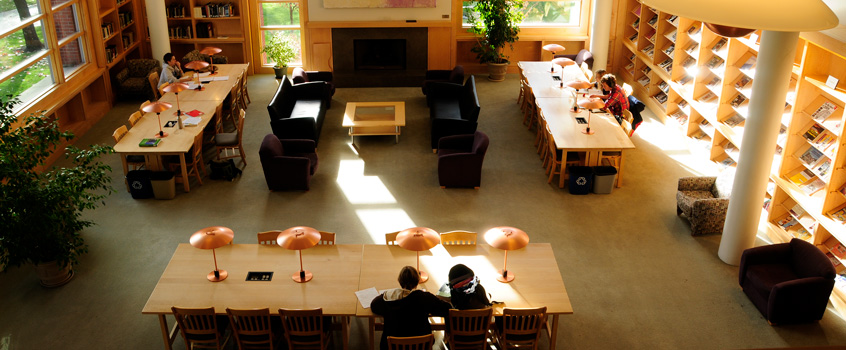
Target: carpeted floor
[[634, 275]]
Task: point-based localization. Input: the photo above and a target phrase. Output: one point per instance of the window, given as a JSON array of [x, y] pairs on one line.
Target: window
[[540, 13], [33, 59], [280, 16]]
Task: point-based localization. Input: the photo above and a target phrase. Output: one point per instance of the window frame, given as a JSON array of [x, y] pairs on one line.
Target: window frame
[[259, 29], [534, 32]]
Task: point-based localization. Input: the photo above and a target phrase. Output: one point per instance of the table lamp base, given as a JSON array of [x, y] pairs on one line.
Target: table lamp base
[[508, 276], [221, 275], [161, 134], [302, 277], [424, 277], [588, 131]]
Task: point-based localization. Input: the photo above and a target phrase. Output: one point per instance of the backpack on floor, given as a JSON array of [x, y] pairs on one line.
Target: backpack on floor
[[224, 170]]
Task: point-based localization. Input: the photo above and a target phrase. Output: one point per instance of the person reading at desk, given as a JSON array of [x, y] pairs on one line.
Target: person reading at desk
[[596, 83], [406, 310], [171, 70], [615, 101], [465, 290]]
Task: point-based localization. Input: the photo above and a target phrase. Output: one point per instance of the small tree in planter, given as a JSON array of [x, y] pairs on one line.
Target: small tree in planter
[[40, 211], [280, 49], [496, 25]]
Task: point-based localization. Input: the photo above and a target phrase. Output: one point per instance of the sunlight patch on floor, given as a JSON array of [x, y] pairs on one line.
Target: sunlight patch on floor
[[361, 189], [378, 222]]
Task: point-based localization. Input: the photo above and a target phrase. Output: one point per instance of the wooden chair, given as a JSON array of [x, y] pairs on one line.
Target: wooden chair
[[141, 109], [553, 160], [522, 94], [391, 238], [244, 92], [234, 103], [137, 161], [162, 87], [468, 329], [304, 329], [521, 328], [326, 238], [199, 328], [194, 161], [423, 342], [458, 238], [253, 328], [268, 237], [531, 110], [540, 137], [153, 78], [134, 117], [224, 142]]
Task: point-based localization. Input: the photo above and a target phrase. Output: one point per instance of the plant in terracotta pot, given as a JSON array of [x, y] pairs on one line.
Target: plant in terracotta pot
[[280, 49], [41, 209], [495, 22]]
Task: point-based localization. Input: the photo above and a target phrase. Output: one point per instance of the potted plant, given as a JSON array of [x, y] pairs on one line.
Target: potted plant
[[280, 49], [41, 209], [495, 26]]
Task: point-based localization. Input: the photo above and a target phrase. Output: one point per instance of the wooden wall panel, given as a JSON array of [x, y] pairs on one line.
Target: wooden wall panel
[[321, 49], [440, 49]]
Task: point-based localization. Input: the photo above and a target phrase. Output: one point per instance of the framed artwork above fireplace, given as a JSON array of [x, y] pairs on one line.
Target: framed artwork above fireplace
[[334, 4]]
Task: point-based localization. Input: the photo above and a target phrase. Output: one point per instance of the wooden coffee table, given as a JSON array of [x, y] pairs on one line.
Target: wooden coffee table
[[374, 118]]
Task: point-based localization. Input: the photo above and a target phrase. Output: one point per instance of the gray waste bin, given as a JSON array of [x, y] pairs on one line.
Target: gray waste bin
[[603, 179], [164, 185]]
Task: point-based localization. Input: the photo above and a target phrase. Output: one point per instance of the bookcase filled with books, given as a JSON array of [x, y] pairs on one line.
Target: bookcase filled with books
[[119, 31], [195, 24]]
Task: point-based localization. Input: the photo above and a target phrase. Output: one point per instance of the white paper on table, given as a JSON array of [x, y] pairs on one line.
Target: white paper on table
[[204, 74], [193, 85], [365, 296], [192, 121], [220, 78]]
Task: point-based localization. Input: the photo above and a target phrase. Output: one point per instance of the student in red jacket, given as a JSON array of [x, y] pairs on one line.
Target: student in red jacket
[[406, 310]]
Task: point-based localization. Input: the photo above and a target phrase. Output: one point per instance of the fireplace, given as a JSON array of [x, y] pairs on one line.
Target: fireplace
[[379, 57]]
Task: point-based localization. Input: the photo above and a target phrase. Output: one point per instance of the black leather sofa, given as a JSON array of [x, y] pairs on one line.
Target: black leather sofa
[[454, 109], [298, 111]]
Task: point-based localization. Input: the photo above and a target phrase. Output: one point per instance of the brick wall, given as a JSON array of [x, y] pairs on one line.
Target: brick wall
[[66, 25]]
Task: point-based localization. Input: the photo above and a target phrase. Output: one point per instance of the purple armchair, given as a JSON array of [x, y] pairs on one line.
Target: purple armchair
[[460, 159], [455, 76], [788, 282], [584, 56], [300, 76], [287, 164]]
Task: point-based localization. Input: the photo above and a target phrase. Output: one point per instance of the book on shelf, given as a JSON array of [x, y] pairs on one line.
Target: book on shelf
[[636, 10], [664, 86], [797, 210], [719, 44], [679, 116], [666, 64], [661, 97], [825, 141], [636, 23], [669, 50], [691, 49], [673, 19], [630, 66], [742, 81], [633, 38], [682, 103], [715, 82], [767, 202], [834, 260], [715, 62], [672, 35], [813, 132], [823, 167], [632, 57], [650, 35], [838, 249], [749, 64], [839, 215], [685, 79], [644, 80], [738, 100], [735, 120], [646, 70], [801, 233], [653, 20], [802, 177], [688, 61], [787, 222], [649, 50], [825, 110], [708, 96], [728, 162], [693, 30], [811, 156], [812, 186]]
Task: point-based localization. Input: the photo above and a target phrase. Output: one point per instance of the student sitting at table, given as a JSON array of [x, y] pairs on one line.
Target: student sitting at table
[[596, 83], [465, 290], [616, 100], [171, 70], [406, 310]]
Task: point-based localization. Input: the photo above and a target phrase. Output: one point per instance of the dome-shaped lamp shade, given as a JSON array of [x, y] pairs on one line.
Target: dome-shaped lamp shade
[[506, 238], [299, 238], [418, 239], [176, 87], [210, 50], [196, 65], [211, 238], [563, 61], [157, 107], [578, 84], [591, 103], [553, 48]]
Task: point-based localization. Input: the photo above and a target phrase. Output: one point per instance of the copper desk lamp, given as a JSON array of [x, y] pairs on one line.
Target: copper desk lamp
[[563, 62], [211, 51], [553, 48], [578, 85], [211, 238], [506, 238], [176, 88], [590, 103], [299, 238], [417, 239], [158, 107], [196, 66]]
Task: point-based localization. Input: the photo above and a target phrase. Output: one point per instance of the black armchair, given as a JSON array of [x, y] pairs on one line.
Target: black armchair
[[460, 159], [132, 80], [454, 109], [297, 111], [584, 56], [300, 76], [455, 76], [287, 164], [788, 282]]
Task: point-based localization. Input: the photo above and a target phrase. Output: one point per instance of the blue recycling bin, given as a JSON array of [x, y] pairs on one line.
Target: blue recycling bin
[[581, 179], [139, 183]]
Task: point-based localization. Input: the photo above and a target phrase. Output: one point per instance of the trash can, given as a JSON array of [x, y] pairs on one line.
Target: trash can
[[139, 184], [603, 179], [581, 178], [164, 186]]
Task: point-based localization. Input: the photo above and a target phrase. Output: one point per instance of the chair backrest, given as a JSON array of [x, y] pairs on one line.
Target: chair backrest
[[197, 149], [326, 238], [391, 238], [141, 109], [522, 327], [468, 329], [550, 143], [134, 117], [627, 122], [251, 327], [198, 327], [480, 143], [268, 237], [241, 117], [119, 132], [304, 328], [458, 238], [153, 78], [423, 342], [162, 88]]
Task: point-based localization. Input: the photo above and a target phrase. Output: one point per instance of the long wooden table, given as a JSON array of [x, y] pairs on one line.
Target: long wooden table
[[537, 278], [335, 267], [178, 142]]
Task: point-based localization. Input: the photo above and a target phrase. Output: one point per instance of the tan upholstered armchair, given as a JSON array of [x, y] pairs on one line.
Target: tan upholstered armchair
[[704, 200], [132, 80]]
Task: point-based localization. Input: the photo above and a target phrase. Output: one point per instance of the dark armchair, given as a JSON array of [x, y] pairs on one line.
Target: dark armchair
[[287, 164], [297, 111], [454, 109], [455, 76], [460, 159], [300, 76], [788, 282], [584, 56], [195, 55], [132, 80]]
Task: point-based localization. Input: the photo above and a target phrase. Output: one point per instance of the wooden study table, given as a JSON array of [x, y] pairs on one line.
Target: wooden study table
[[178, 142], [537, 278], [568, 136], [183, 283]]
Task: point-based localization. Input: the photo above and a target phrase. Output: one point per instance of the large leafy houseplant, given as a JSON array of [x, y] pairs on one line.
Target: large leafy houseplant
[[280, 49], [495, 23], [41, 209]]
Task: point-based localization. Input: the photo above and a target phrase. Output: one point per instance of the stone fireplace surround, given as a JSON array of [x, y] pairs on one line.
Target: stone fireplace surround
[[345, 74]]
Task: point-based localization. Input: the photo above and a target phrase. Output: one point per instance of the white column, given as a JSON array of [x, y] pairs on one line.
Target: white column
[[600, 32], [157, 22], [766, 106]]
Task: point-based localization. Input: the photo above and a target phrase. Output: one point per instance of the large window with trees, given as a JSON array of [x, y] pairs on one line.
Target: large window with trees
[[42, 43], [280, 16], [539, 13]]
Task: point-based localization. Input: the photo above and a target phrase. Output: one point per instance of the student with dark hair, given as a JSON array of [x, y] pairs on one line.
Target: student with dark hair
[[171, 69], [465, 290], [406, 310], [615, 101]]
